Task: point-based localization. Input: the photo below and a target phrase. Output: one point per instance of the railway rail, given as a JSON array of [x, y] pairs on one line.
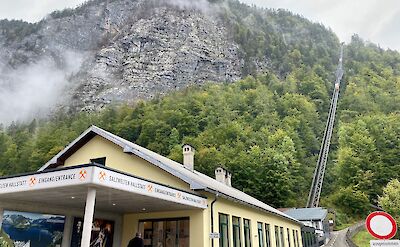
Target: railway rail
[[319, 173]]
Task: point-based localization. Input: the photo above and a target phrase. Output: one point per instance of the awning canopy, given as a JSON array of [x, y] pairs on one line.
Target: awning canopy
[[116, 191]]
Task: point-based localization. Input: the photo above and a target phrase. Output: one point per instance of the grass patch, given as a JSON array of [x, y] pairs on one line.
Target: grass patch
[[342, 226], [362, 238]]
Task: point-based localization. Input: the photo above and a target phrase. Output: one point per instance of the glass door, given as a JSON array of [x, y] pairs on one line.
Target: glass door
[[165, 232]]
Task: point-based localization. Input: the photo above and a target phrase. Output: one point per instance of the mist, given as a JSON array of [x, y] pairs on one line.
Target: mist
[[201, 5], [33, 90]]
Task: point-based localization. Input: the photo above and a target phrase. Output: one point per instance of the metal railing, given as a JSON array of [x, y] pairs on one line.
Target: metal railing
[[353, 230]]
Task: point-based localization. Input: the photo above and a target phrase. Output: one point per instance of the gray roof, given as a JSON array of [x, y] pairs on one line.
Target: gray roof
[[307, 214], [195, 179]]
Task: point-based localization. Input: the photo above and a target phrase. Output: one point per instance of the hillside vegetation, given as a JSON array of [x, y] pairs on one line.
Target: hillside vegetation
[[266, 128]]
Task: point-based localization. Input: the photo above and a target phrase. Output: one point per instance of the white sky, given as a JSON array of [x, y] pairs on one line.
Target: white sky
[[374, 20]]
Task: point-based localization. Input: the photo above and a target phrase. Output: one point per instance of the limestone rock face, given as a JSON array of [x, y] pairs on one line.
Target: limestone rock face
[[169, 51], [130, 50], [118, 51]]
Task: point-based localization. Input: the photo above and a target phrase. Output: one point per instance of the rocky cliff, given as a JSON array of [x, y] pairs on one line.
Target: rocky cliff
[[126, 50]]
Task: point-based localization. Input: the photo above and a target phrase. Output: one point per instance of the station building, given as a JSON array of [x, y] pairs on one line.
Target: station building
[[313, 217], [102, 176]]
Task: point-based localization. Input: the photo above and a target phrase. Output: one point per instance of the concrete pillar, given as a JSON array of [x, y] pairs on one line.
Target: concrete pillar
[[118, 232], [88, 218], [69, 221], [1, 216]]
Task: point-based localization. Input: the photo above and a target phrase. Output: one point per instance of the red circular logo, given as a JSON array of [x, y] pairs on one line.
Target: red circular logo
[[381, 225]]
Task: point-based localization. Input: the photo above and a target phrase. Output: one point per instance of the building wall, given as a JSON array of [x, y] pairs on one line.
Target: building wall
[[254, 215], [197, 225], [115, 158], [200, 220], [200, 223]]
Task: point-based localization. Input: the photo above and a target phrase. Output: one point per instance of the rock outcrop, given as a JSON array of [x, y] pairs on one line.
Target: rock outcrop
[[112, 51], [132, 50]]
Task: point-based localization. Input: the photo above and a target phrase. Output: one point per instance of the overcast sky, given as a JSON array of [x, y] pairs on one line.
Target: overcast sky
[[374, 20]]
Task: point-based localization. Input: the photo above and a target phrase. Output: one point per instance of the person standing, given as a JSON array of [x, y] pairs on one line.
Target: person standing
[[136, 241]]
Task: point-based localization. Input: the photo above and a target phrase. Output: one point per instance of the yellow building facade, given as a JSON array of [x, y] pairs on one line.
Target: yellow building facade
[[214, 214]]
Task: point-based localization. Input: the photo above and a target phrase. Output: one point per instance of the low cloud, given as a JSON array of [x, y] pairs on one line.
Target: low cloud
[[201, 5], [33, 10], [33, 90]]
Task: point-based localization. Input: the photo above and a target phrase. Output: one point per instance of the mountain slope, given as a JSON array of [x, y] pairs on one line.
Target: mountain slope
[[121, 51], [266, 128]]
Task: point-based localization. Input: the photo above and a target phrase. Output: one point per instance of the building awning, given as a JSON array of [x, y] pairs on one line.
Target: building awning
[[116, 191]]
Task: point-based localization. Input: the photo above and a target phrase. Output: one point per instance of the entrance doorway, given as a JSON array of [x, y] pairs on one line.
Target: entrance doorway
[[165, 232]]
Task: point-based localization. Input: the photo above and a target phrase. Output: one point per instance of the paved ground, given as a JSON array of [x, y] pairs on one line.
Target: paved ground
[[338, 239]]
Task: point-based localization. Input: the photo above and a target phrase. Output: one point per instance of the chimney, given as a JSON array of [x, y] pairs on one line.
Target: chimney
[[228, 179], [223, 176], [220, 174], [188, 157]]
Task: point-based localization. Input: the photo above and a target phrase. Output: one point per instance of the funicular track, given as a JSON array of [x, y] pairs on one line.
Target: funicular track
[[318, 178]]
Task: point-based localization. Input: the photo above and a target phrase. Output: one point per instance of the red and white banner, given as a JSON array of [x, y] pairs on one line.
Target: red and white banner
[[96, 176]]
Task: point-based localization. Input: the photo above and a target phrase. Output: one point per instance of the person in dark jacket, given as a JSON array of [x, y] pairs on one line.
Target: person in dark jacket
[[136, 241]]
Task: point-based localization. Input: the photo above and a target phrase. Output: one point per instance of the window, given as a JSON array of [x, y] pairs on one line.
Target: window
[[282, 240], [260, 234], [99, 161], [165, 232], [247, 233], [303, 237], [171, 233], [236, 231], [267, 235], [288, 236], [294, 238], [314, 239], [308, 239], [277, 236], [297, 238], [223, 230]]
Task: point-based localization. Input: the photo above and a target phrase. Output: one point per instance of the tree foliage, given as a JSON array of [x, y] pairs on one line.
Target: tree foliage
[[262, 136], [390, 199], [282, 40], [266, 128], [16, 30]]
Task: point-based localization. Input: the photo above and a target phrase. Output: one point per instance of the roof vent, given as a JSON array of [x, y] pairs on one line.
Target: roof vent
[[228, 179], [188, 156], [223, 176]]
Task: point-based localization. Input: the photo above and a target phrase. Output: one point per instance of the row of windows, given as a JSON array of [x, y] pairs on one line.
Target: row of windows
[[309, 239], [280, 240], [236, 225], [264, 233]]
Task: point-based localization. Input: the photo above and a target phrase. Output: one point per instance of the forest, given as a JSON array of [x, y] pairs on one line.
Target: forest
[[266, 128]]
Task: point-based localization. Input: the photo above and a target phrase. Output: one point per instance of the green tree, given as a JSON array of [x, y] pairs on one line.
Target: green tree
[[351, 201], [390, 199]]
